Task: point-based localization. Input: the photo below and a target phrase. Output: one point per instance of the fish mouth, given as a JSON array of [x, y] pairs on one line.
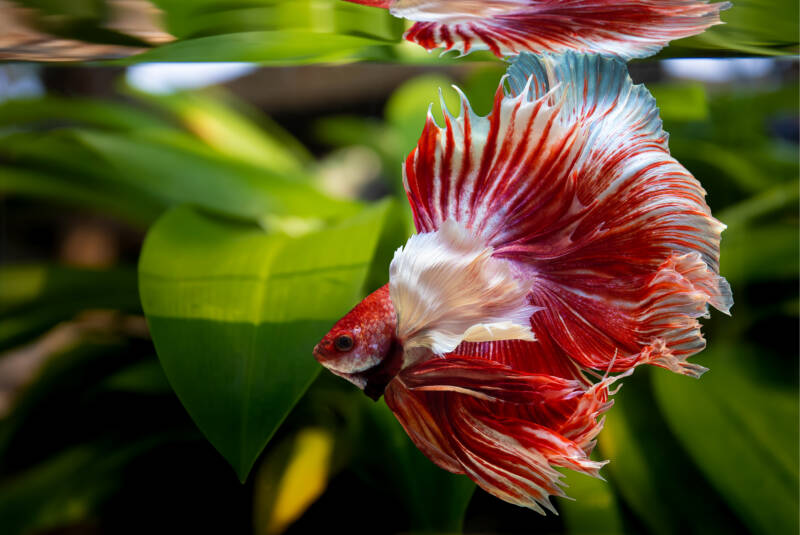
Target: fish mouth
[[373, 381], [337, 363], [327, 361]]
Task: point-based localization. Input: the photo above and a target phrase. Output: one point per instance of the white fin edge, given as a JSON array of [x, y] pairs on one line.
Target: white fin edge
[[447, 288]]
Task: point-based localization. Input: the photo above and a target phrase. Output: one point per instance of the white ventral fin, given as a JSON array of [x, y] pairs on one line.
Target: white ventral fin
[[447, 288]]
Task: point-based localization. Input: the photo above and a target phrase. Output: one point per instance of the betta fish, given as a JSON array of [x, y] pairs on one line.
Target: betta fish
[[559, 246], [623, 28]]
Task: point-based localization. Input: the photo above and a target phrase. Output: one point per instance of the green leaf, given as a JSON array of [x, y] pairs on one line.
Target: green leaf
[[145, 377], [766, 27], [291, 478], [280, 47], [593, 509], [680, 102], [35, 297], [174, 174], [234, 313], [741, 430], [762, 241], [655, 478], [766, 203], [407, 107], [213, 17], [27, 286], [234, 128], [732, 165], [631, 467], [56, 111], [62, 189], [763, 253]]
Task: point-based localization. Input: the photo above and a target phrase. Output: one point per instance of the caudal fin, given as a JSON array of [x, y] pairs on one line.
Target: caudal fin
[[622, 28], [570, 179]]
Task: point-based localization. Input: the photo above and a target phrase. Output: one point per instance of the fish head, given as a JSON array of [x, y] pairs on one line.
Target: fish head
[[362, 346]]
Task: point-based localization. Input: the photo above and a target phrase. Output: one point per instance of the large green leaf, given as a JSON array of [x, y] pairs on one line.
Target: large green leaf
[[51, 111], [214, 17], [291, 477], [741, 429], [279, 47], [632, 470], [62, 189], [680, 102], [136, 166], [653, 475], [406, 109], [769, 202], [593, 509], [766, 27], [762, 241], [235, 311], [233, 127], [764, 253], [174, 173]]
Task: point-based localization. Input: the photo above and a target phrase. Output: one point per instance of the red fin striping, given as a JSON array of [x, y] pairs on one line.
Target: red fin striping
[[505, 429], [488, 380], [651, 319], [571, 179], [531, 357], [373, 3], [624, 28]]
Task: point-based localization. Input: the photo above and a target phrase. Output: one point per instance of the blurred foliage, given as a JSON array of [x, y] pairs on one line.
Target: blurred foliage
[[212, 288], [98, 437], [302, 31], [396, 135], [160, 156]]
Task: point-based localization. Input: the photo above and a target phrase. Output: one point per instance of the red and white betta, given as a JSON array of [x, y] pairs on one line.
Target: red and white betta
[[623, 28], [558, 243]]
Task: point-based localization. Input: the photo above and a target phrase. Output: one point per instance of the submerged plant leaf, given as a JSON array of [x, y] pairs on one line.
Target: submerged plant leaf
[[214, 17], [291, 477], [593, 509], [30, 286], [741, 430], [233, 128], [652, 474], [173, 173], [766, 27], [280, 47], [235, 311]]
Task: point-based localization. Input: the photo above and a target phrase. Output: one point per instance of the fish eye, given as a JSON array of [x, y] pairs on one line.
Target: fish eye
[[344, 342]]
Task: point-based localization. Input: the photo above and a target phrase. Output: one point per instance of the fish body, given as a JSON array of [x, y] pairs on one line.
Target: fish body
[[559, 246], [622, 28]]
